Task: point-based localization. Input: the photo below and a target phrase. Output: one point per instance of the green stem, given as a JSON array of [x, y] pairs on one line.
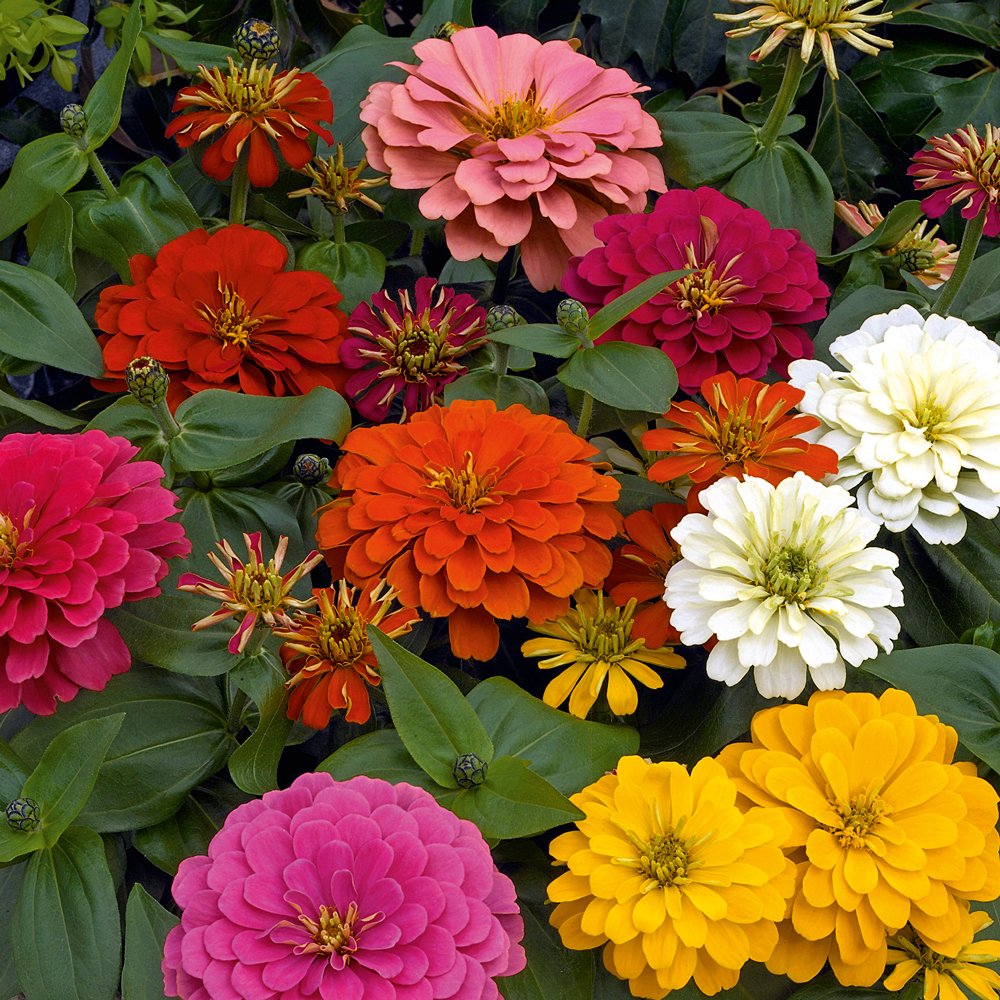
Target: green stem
[[586, 411], [785, 99], [237, 706], [501, 356], [165, 420], [338, 229], [107, 185], [417, 243], [239, 193], [504, 271], [970, 243]]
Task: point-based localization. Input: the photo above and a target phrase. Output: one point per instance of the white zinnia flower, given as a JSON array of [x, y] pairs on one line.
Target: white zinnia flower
[[919, 409], [781, 576]]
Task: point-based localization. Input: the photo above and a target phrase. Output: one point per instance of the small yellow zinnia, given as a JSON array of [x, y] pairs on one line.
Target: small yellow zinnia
[[593, 640], [671, 877]]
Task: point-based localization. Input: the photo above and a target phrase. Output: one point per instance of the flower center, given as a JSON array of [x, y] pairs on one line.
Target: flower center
[[333, 934], [813, 13], [919, 250], [465, 487], [791, 572], [929, 416], [736, 438], [242, 91], [860, 816], [234, 322], [514, 117], [421, 347], [705, 291], [665, 859], [909, 940], [342, 637], [606, 636], [258, 587], [12, 549]]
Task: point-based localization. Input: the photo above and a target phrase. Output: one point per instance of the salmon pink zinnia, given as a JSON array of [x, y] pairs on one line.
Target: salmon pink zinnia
[[518, 142]]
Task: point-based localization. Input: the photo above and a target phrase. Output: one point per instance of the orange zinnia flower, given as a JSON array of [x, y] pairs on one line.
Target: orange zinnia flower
[[472, 514], [744, 431]]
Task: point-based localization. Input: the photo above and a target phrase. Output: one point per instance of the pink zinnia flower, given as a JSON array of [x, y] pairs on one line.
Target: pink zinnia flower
[[411, 346], [518, 142], [343, 890], [82, 530], [963, 166], [742, 307]]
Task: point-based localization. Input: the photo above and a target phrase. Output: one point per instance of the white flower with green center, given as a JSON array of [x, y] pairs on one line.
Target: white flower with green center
[[915, 419], [782, 578]]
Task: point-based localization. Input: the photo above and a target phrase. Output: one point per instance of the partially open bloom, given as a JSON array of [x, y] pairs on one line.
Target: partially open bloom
[[742, 307], [473, 514], [745, 429], [411, 346], [961, 166], [673, 879], [328, 654], [82, 530], [782, 576], [337, 185], [594, 642], [517, 141], [220, 311], [825, 21], [253, 105], [255, 589], [915, 419], [338, 890], [886, 830]]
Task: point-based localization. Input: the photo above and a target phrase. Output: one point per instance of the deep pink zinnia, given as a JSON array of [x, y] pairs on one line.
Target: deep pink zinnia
[[517, 141], [82, 530], [742, 307], [411, 347], [343, 890]]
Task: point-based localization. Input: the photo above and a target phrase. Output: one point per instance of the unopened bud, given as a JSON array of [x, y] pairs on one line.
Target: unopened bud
[[469, 771], [147, 381], [256, 39], [311, 469], [502, 318], [24, 815], [572, 316], [73, 120]]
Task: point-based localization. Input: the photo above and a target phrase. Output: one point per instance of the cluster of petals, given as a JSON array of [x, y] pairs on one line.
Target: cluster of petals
[[915, 419], [742, 307], [82, 530], [887, 831], [783, 577], [472, 514], [354, 890], [671, 877], [517, 141], [219, 311]]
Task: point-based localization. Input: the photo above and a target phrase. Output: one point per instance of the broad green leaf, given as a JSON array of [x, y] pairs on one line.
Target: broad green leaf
[[434, 721], [52, 242], [357, 269], [638, 493], [975, 101], [386, 235], [39, 412], [826, 987], [849, 315], [11, 878], [104, 102], [438, 11], [618, 309], [504, 390], [967, 19], [698, 45], [67, 937], [633, 26], [13, 773], [900, 220], [518, 15], [865, 270], [627, 376], [147, 924], [542, 338], [704, 147], [905, 99], [976, 297], [382, 753], [190, 55]]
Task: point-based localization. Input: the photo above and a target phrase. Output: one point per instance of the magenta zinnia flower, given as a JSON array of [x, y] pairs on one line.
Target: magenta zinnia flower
[[742, 307], [411, 346], [963, 166], [518, 142], [343, 890], [82, 530]]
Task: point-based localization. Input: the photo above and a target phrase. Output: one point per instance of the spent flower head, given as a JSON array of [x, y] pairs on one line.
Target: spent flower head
[[337, 185]]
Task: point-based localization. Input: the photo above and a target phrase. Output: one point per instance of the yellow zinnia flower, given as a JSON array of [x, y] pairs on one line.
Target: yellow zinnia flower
[[593, 640], [886, 830], [669, 875]]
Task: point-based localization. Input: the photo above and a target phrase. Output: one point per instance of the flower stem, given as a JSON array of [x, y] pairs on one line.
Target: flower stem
[[165, 420], [240, 190], [107, 185], [417, 243], [970, 243], [504, 271], [586, 411], [339, 235], [785, 99], [501, 355]]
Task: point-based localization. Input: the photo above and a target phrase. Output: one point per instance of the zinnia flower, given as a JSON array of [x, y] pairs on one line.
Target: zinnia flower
[[473, 514], [963, 166], [639, 570], [945, 975], [673, 879], [742, 308], [252, 104], [594, 642], [338, 186], [743, 430], [220, 311], [517, 141], [918, 410], [886, 829], [409, 347], [255, 589], [340, 890], [782, 576], [329, 655], [82, 530]]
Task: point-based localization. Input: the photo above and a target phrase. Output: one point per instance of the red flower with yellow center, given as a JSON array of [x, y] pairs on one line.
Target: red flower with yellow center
[[252, 104], [329, 655], [473, 514]]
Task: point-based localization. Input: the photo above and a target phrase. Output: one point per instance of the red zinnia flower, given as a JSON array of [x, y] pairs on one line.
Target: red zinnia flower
[[220, 312], [742, 307], [252, 104]]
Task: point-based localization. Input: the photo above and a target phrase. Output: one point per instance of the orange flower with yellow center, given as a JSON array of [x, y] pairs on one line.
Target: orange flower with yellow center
[[886, 829], [473, 514]]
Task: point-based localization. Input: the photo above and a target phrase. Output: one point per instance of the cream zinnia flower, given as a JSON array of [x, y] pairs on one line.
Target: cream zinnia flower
[[781, 576], [919, 410]]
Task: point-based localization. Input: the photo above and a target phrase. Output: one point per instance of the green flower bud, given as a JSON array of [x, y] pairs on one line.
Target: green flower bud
[[73, 120], [147, 381], [24, 815], [502, 318], [256, 39], [572, 316], [311, 469], [469, 771]]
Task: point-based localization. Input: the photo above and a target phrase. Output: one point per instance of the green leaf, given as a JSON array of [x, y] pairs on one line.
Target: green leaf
[[969, 20], [704, 147], [628, 376], [975, 102], [357, 269], [900, 220], [382, 753], [53, 244], [518, 15], [438, 11], [13, 773], [146, 927], [11, 879], [975, 298], [618, 309], [190, 55], [504, 390], [638, 493], [40, 322], [104, 102], [853, 311], [633, 26], [698, 45], [39, 412], [434, 721], [826, 987], [542, 338], [67, 937]]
